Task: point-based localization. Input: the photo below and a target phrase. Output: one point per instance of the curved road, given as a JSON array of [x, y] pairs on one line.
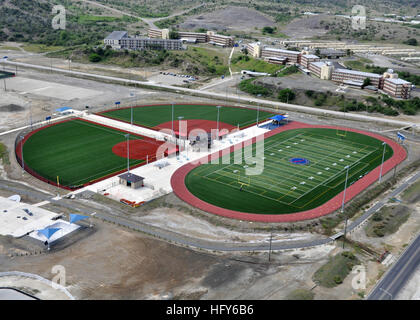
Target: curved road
[[213, 95], [205, 244]]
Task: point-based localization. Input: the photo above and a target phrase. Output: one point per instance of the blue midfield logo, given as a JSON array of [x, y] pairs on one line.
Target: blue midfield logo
[[300, 161]]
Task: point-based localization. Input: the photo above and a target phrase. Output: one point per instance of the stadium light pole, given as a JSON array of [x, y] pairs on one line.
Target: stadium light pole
[[382, 165], [179, 129], [218, 117], [21, 152], [172, 118], [345, 188], [128, 152]]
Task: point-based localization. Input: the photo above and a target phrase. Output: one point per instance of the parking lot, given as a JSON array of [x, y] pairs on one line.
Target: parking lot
[[171, 78]]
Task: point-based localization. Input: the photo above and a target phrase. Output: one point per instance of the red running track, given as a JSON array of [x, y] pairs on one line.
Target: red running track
[[181, 190]]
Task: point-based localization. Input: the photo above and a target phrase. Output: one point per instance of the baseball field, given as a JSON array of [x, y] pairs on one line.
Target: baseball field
[[198, 116], [76, 152]]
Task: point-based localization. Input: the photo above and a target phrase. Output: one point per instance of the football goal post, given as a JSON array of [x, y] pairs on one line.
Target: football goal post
[[244, 181], [341, 133]]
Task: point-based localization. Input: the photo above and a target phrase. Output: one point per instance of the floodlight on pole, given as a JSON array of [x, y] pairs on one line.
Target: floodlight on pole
[[132, 94], [128, 152], [179, 128], [218, 117], [345, 188], [21, 152], [173, 117], [382, 165]]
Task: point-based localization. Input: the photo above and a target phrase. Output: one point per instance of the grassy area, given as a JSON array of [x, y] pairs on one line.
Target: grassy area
[[41, 48], [4, 155], [154, 115], [210, 61], [243, 62], [9, 48], [75, 151], [387, 221], [91, 19], [412, 194], [335, 270], [288, 71], [300, 294], [250, 87], [285, 187]]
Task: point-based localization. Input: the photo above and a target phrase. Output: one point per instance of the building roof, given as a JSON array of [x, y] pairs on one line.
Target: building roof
[[359, 73], [282, 50], [116, 35], [277, 58], [131, 177], [397, 81], [310, 56], [353, 83], [330, 51], [319, 64]]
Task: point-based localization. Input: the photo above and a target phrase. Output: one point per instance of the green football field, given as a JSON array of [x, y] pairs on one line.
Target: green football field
[[75, 151], [286, 187], [152, 116]]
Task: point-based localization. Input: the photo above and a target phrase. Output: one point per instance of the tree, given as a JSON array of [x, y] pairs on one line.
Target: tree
[[94, 57], [286, 95], [366, 82], [411, 42], [268, 30], [173, 35]]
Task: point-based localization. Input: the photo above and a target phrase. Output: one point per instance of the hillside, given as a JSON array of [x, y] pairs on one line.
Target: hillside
[[30, 21]]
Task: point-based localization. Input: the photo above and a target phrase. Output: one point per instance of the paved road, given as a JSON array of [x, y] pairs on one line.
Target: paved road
[[221, 96], [396, 277], [198, 243]]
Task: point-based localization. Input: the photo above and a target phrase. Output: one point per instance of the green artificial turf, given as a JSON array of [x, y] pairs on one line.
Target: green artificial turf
[[76, 151], [284, 187], [152, 116]]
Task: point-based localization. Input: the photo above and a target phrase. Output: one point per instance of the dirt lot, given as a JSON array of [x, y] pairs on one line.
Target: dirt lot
[[114, 263], [230, 18], [307, 27]]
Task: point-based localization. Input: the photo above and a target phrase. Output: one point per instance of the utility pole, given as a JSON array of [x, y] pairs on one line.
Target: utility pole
[[383, 156], [269, 251], [345, 231], [345, 188]]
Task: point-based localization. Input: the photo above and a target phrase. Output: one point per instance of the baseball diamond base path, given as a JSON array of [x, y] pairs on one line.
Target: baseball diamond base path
[[181, 190]]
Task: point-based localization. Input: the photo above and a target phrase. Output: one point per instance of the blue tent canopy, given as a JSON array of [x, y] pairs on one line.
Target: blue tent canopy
[[48, 232], [77, 217], [278, 117], [62, 109]]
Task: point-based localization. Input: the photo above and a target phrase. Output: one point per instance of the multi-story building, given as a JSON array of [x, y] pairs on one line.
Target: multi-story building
[[120, 40], [197, 37], [292, 56], [308, 58], [220, 40], [158, 33], [316, 67], [114, 39], [397, 88], [254, 49], [341, 75]]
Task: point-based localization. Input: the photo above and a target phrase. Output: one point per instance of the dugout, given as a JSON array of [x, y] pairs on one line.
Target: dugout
[[131, 180]]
